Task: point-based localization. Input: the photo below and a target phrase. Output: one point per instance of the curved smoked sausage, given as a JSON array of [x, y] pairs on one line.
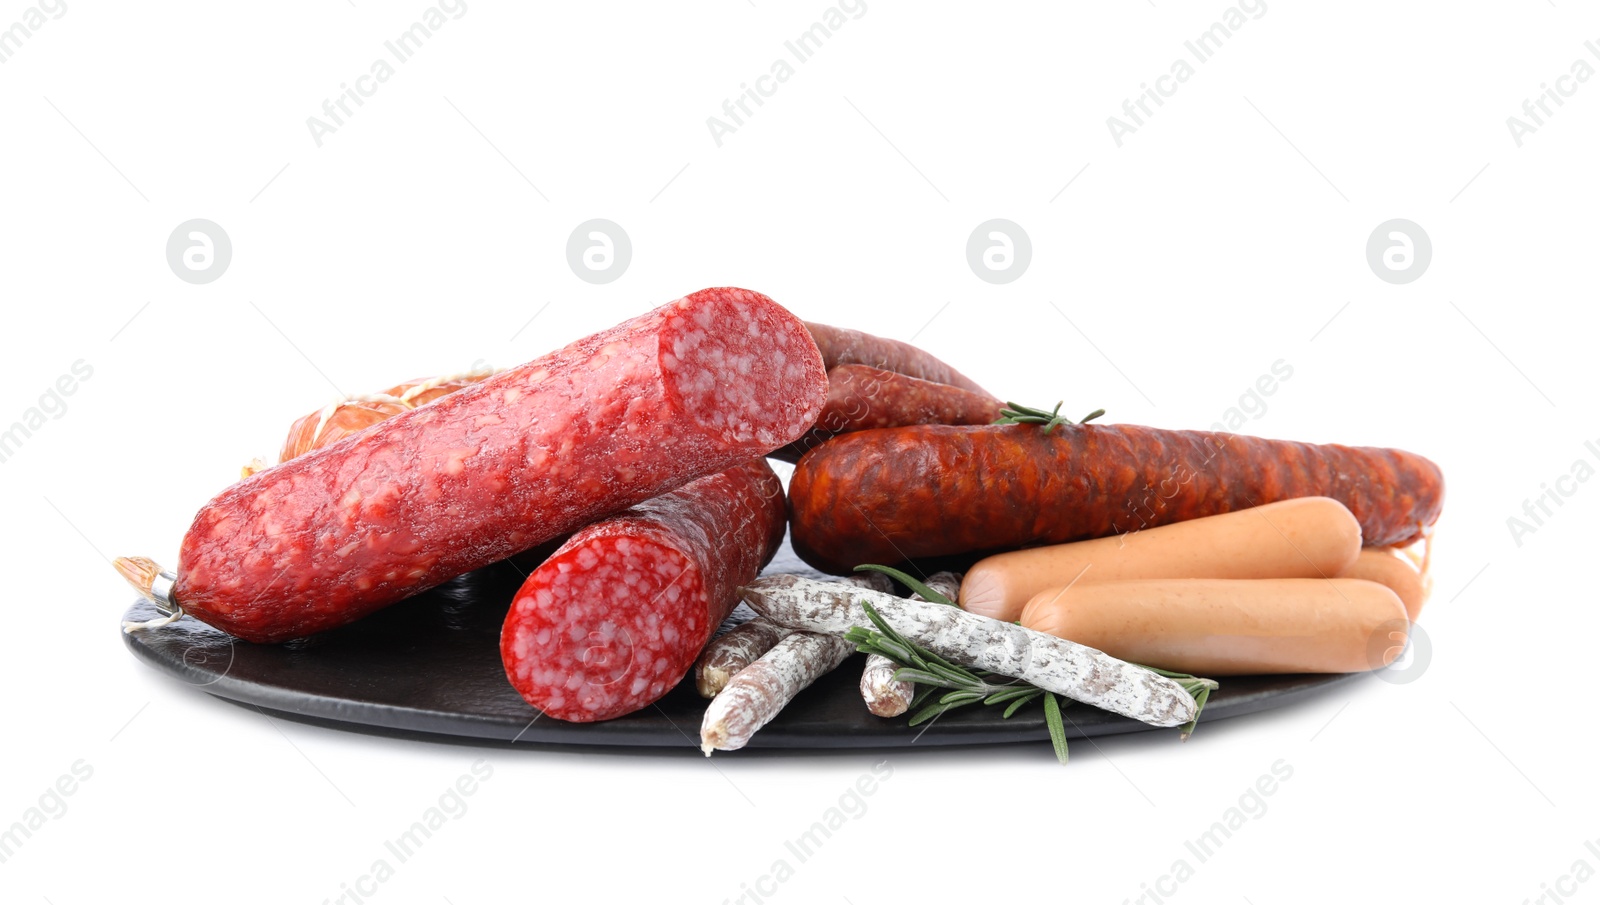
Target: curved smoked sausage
[[885, 496]]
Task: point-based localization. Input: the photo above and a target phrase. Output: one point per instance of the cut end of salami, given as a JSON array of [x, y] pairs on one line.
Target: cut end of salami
[[737, 364], [580, 657], [611, 621], [611, 420]]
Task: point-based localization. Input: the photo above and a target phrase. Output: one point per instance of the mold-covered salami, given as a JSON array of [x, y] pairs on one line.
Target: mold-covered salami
[[726, 655], [755, 696], [888, 495], [966, 639], [614, 619], [686, 390], [885, 695]]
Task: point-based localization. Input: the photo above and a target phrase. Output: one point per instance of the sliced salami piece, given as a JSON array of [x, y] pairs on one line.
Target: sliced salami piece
[[614, 419], [614, 619]]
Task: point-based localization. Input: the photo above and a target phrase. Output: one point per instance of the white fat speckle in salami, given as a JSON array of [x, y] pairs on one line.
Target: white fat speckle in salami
[[493, 469], [612, 620], [1051, 663], [706, 366]]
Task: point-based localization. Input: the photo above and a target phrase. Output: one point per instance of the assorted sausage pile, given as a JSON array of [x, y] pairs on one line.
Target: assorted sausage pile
[[628, 472]]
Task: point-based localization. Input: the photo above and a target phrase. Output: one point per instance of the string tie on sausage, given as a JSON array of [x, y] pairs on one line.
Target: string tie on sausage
[[155, 585]]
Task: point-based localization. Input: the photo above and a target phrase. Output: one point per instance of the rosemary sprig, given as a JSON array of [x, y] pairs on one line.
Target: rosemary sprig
[[917, 587], [963, 686], [1022, 414], [923, 667]]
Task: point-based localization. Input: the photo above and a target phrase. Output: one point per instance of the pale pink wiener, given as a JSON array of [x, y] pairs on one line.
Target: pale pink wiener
[[1392, 569], [1220, 627], [686, 390], [1309, 537]]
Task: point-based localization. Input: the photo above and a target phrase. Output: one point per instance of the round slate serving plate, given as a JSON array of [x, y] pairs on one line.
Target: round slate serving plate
[[430, 666]]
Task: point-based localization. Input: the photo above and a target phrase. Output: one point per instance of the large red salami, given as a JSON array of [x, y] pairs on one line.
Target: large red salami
[[612, 620], [538, 451]]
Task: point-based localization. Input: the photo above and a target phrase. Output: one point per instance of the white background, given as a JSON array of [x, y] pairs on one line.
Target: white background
[[1224, 235]]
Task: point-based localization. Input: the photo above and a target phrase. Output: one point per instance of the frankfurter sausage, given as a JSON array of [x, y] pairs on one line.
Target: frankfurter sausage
[[1309, 537], [611, 420], [841, 346], [612, 620], [884, 496], [1391, 568], [863, 398], [1218, 627]]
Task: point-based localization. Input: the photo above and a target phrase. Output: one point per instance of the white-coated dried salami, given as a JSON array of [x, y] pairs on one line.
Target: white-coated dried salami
[[1053, 664], [885, 695], [729, 653], [760, 691]]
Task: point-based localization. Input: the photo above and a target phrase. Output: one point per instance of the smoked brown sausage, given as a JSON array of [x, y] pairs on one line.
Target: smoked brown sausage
[[886, 496], [863, 398], [841, 346]]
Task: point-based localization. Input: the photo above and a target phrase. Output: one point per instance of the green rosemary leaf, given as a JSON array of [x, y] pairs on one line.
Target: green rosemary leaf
[[921, 677], [1018, 703], [917, 587], [1058, 732], [957, 698], [1008, 694], [1022, 414], [926, 714], [1199, 705]]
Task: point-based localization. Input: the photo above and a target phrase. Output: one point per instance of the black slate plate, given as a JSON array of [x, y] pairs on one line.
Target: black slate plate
[[430, 666]]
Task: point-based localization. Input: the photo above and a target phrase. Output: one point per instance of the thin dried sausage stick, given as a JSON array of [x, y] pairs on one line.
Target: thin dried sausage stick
[[1053, 664], [611, 420], [611, 621], [759, 692], [729, 653], [885, 695], [911, 492]]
